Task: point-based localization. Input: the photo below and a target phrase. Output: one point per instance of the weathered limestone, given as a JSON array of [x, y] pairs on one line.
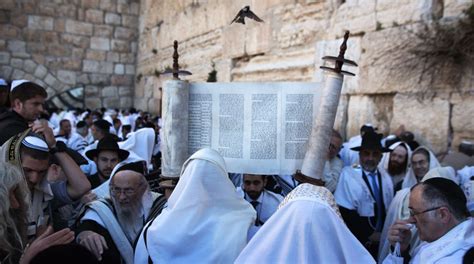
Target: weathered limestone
[[426, 117], [69, 44]]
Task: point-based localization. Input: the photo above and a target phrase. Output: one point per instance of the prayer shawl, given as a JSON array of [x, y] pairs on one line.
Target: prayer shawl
[[109, 219], [353, 193], [399, 211], [410, 179], [306, 228], [141, 143], [38, 213], [205, 221], [448, 249], [386, 159], [464, 175]]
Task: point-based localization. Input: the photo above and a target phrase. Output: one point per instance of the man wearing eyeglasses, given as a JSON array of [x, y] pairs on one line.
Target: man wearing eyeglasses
[[110, 226], [438, 209]]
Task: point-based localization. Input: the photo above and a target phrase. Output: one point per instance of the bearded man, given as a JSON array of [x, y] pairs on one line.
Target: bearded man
[[110, 226], [397, 163]]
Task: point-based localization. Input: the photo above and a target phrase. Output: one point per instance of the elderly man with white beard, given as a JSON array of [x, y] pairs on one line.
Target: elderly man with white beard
[[109, 227]]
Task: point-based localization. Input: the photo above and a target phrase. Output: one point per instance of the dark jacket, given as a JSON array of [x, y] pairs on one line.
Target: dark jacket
[[11, 123]]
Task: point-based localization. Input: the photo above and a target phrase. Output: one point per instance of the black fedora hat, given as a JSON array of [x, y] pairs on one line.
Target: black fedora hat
[[107, 143], [371, 140]]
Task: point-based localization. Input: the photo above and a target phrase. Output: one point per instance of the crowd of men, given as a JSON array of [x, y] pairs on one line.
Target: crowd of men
[[78, 182]]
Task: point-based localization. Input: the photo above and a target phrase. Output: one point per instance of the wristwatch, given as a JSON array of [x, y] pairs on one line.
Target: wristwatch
[[60, 147]]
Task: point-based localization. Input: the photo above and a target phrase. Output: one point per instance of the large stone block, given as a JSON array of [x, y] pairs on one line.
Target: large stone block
[[72, 64], [124, 33], [111, 102], [119, 69], [41, 71], [67, 77], [90, 3], [103, 31], [130, 21], [108, 5], [6, 71], [17, 63], [100, 43], [95, 16], [4, 57], [125, 91], [113, 56], [106, 67], [99, 79], [91, 66], [463, 115], [376, 110], [427, 118], [29, 66], [68, 10], [40, 22], [80, 28], [16, 46], [126, 102], [122, 80], [112, 19], [93, 102], [76, 41], [120, 46], [110, 91]]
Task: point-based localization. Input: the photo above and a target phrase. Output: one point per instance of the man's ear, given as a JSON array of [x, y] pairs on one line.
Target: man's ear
[[445, 215], [265, 180], [16, 104]]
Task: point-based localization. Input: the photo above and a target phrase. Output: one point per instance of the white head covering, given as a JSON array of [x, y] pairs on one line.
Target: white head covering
[[3, 82], [410, 179], [441, 172], [16, 83], [386, 156], [205, 221], [141, 142], [307, 228]]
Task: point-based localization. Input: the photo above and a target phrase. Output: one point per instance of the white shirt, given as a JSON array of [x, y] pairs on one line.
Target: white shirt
[[353, 193]]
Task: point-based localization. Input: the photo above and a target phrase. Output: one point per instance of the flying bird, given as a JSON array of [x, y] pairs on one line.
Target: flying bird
[[245, 12]]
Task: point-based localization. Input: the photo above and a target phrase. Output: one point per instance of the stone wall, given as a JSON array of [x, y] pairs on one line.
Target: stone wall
[[62, 44], [405, 74]]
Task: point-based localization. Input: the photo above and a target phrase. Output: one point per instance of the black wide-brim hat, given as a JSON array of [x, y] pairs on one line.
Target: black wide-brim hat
[[110, 144], [371, 140]]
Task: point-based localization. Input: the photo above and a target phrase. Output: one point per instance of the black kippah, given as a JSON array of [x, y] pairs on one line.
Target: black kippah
[[137, 166], [448, 188], [81, 124], [102, 124]]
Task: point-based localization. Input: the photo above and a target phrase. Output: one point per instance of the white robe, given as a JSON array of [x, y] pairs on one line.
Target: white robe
[[205, 221], [307, 228], [448, 249]]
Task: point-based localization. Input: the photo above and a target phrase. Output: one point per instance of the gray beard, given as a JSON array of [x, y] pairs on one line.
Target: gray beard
[[131, 219]]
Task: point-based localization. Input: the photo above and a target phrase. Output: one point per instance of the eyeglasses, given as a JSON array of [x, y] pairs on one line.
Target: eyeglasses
[[127, 191], [412, 213]]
